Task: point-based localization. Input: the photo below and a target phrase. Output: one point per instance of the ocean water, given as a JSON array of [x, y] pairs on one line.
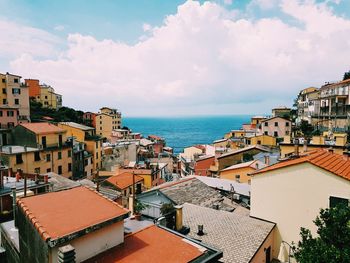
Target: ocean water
[[180, 132]]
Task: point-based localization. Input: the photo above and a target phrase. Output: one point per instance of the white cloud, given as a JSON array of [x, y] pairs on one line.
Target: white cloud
[[202, 60], [59, 28], [146, 27], [228, 2], [18, 39]]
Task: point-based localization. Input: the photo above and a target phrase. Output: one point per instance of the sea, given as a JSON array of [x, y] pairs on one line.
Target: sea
[[181, 132]]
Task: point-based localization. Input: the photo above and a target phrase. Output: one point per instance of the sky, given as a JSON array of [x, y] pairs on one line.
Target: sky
[[176, 58]]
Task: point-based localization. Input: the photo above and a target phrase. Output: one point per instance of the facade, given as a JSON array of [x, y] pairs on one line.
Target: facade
[[241, 172], [308, 105], [14, 94], [301, 187], [44, 94], [89, 119], [265, 140], [203, 164], [92, 141], [39, 148], [9, 117], [107, 120], [276, 126]]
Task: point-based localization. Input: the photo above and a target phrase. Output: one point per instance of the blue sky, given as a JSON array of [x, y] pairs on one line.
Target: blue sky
[[177, 57]]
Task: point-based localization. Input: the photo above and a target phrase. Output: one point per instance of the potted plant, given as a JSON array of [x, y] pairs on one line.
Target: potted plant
[[138, 207]]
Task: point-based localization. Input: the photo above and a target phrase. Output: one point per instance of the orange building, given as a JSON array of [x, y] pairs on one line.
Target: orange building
[[34, 87], [203, 164]]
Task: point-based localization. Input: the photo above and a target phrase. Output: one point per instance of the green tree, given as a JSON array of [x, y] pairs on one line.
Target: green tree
[[332, 245], [346, 75], [306, 128]]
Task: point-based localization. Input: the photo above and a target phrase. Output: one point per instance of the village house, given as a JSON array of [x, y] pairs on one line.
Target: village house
[[240, 172], [308, 105], [107, 120], [93, 142], [14, 94], [289, 146], [124, 183], [158, 144], [301, 187], [89, 119], [261, 139], [281, 111], [44, 94], [9, 116], [202, 165], [276, 126], [238, 156], [38, 148]]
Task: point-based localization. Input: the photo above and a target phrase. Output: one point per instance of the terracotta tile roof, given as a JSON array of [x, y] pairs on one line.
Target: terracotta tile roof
[[123, 180], [58, 214], [42, 128], [151, 244], [335, 163]]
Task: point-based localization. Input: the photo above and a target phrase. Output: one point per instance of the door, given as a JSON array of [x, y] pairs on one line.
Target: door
[[268, 255]]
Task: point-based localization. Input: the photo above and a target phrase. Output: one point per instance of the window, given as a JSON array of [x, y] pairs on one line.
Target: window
[[101, 129], [48, 170], [36, 156], [276, 124], [3, 91], [266, 133], [16, 101], [37, 170], [97, 144], [15, 80], [48, 157], [69, 167], [287, 124], [0, 113], [43, 141], [59, 155], [101, 122], [4, 101], [60, 140], [3, 81], [10, 113], [238, 178], [334, 201], [19, 159], [10, 125], [69, 153], [259, 142], [266, 124], [16, 91], [45, 97], [60, 169], [275, 134], [86, 162]]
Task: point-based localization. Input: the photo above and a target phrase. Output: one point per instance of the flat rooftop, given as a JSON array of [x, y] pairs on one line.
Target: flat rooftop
[[151, 244]]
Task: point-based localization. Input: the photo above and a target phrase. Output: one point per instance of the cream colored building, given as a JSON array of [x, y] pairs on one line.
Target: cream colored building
[[276, 126], [108, 120], [49, 98], [16, 95], [291, 193]]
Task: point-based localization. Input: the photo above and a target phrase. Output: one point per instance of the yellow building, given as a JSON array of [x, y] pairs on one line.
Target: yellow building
[[336, 141], [39, 148], [86, 135], [107, 120], [240, 172], [256, 120], [265, 140], [16, 95], [49, 98]]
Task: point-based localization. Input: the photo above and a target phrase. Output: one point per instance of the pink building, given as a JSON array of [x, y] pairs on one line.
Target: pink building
[[8, 117]]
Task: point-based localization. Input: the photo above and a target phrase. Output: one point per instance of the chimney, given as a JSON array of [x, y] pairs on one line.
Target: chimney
[[200, 230], [296, 147], [178, 218], [66, 254], [267, 160]]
